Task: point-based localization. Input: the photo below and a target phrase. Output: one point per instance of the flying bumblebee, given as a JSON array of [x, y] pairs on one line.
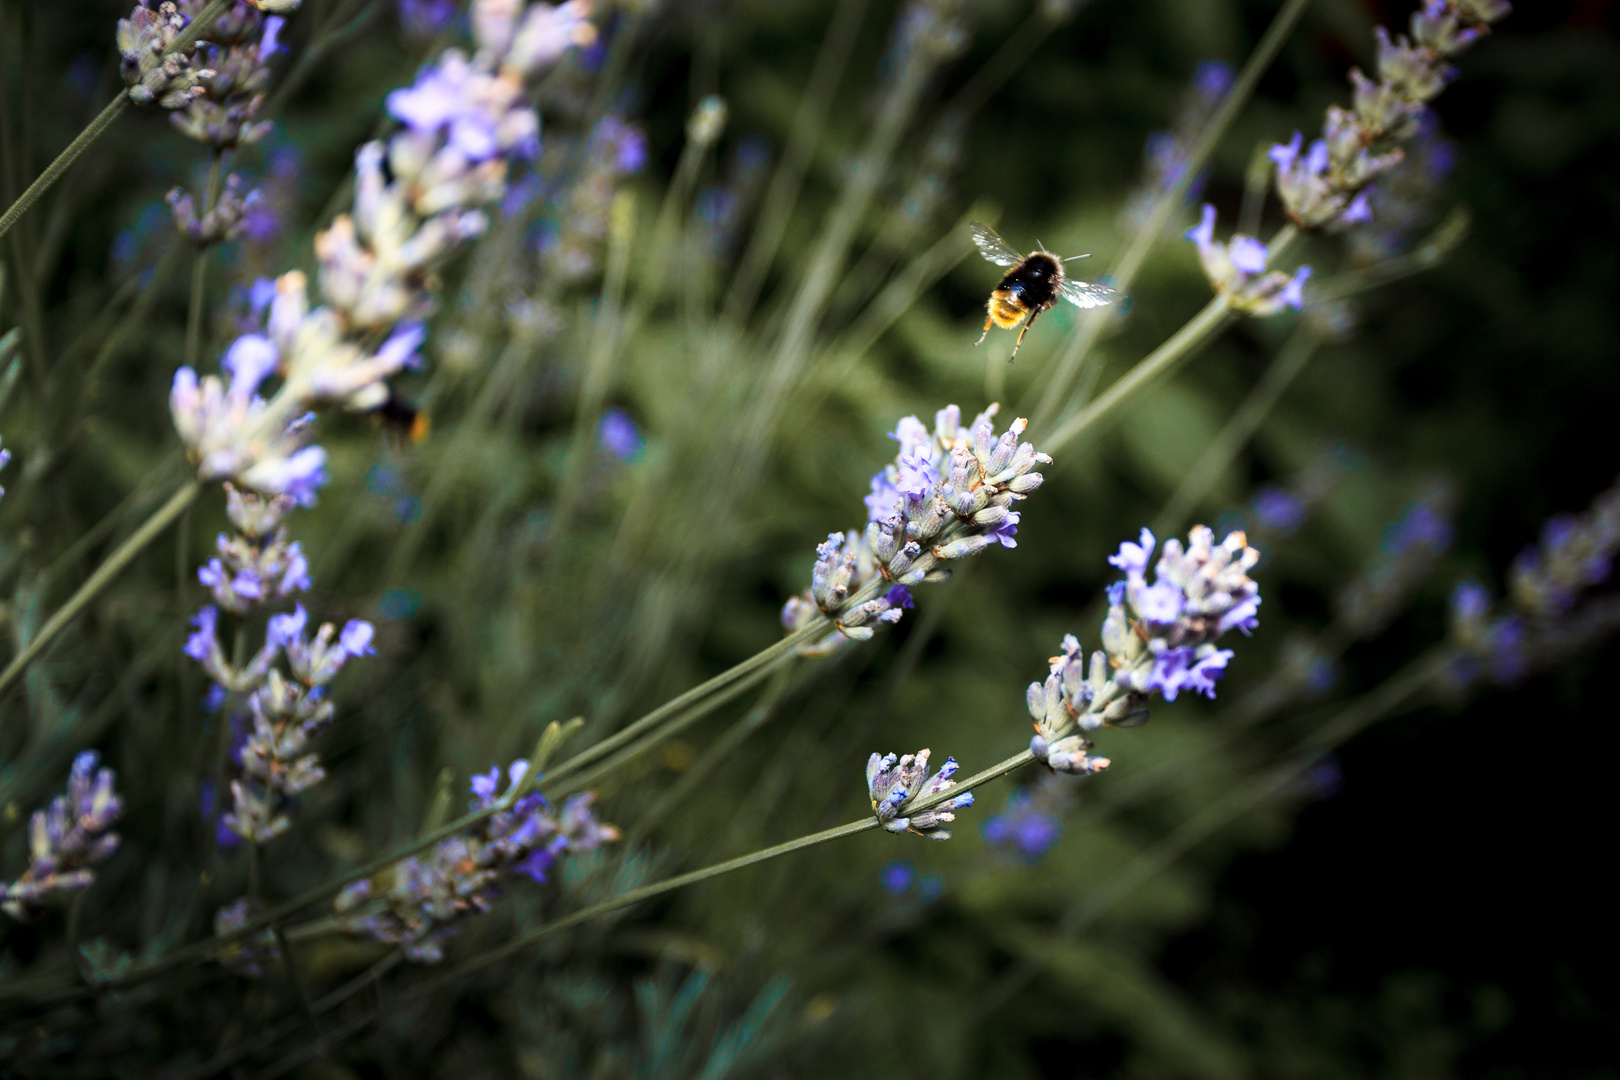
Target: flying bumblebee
[[1032, 285], [399, 418]]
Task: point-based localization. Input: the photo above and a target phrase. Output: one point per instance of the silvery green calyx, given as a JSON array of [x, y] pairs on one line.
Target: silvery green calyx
[[65, 840], [896, 785], [1156, 638], [949, 493], [1238, 269], [462, 876], [173, 81], [1325, 183], [1070, 701]]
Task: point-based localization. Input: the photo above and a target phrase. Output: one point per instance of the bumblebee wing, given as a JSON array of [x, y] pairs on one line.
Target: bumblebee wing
[[1082, 295], [992, 246]]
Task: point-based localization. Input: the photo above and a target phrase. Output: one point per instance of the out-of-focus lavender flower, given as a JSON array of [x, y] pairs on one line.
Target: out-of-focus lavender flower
[[5, 459], [230, 432], [898, 877], [1023, 827], [1280, 511], [66, 839], [1422, 525], [462, 876], [221, 223], [258, 564], [1411, 548], [1402, 201], [250, 956], [894, 786], [1165, 157], [621, 144], [1157, 638], [1325, 184], [1575, 553], [1324, 779], [1238, 270], [425, 18], [620, 436]]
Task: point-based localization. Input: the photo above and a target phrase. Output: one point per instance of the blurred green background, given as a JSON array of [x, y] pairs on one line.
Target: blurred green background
[[1431, 906]]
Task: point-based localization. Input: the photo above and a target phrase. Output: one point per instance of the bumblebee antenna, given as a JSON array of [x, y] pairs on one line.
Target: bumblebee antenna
[[1071, 258]]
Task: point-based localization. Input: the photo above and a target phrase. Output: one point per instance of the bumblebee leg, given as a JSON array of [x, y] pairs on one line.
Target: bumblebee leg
[[988, 323], [1028, 321]]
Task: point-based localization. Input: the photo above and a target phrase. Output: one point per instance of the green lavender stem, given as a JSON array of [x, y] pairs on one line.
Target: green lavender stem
[[764, 660], [1129, 263], [199, 266], [1219, 455], [103, 576], [104, 120], [630, 899], [1180, 346]]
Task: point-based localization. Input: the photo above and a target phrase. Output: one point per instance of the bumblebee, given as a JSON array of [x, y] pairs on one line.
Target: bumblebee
[[1032, 285], [399, 418]]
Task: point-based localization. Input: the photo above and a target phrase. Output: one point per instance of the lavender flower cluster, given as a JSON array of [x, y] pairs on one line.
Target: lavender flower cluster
[[418, 199], [153, 74], [895, 785], [1326, 183], [1156, 638], [462, 876], [1549, 609], [224, 116], [1411, 548], [1238, 269], [948, 495], [66, 840]]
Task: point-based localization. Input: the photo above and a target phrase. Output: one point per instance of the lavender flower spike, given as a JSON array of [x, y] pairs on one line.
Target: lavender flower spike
[[1237, 270], [1157, 638], [172, 81], [65, 840], [894, 786], [462, 877]]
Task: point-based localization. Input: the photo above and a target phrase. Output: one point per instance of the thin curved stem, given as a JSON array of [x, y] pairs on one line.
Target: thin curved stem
[[765, 659], [103, 576], [1180, 346], [630, 899], [1124, 270], [1223, 450], [104, 120]]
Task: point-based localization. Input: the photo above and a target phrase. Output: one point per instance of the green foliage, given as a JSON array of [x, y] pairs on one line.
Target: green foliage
[[520, 574]]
